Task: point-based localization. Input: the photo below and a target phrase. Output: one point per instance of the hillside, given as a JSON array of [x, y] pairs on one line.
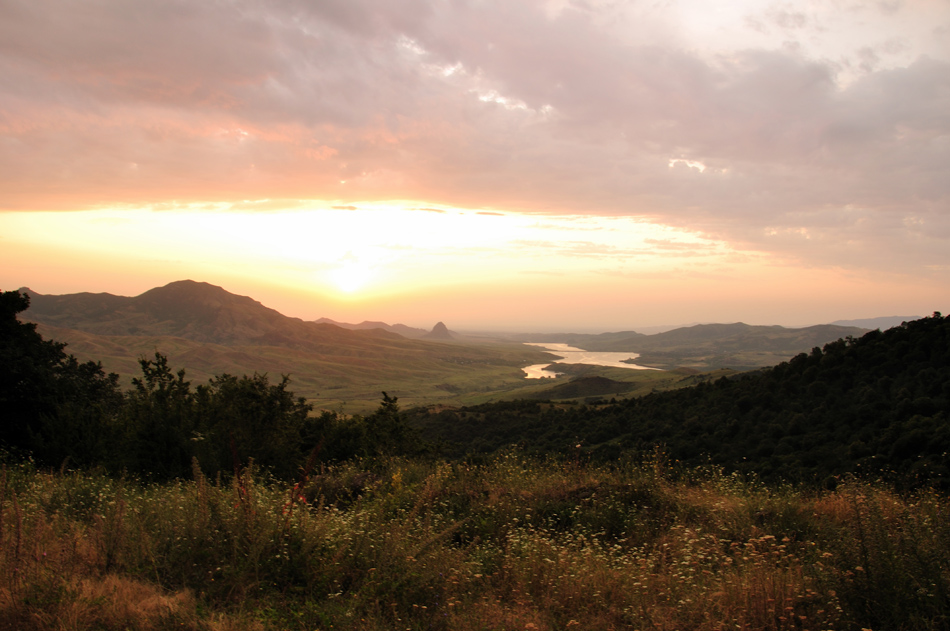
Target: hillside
[[231, 506], [514, 544], [439, 332], [709, 346], [194, 311], [878, 404], [208, 331], [882, 323], [401, 329]]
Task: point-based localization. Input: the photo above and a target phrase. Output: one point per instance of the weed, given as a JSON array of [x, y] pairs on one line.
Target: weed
[[514, 543]]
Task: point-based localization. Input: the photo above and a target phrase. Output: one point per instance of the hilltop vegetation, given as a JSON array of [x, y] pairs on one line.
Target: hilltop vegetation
[[737, 346], [512, 544], [877, 404], [211, 332], [231, 506], [62, 411]]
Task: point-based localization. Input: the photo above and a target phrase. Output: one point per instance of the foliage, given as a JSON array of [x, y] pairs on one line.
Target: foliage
[[512, 544], [321, 521], [332, 366], [226, 424], [875, 405], [52, 404], [334, 437], [62, 411]]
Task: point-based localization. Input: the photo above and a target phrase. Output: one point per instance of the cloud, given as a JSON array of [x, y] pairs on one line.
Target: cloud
[[525, 106]]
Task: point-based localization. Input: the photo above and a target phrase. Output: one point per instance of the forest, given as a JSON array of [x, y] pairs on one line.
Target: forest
[[875, 405], [811, 495]]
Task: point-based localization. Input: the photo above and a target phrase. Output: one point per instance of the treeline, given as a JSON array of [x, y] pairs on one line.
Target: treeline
[[63, 412], [876, 405]]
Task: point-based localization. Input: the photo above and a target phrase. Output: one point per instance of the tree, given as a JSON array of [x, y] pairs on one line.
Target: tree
[[159, 420], [53, 405], [248, 417], [387, 432]]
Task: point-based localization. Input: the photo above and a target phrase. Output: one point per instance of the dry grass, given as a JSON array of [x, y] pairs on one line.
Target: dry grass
[[55, 579], [512, 545]]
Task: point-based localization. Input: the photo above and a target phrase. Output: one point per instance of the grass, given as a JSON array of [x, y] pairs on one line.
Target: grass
[[514, 544], [418, 372]]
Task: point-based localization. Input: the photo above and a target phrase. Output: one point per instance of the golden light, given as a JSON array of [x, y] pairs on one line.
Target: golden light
[[351, 275], [403, 262]]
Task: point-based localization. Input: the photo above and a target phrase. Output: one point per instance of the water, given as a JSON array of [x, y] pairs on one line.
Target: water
[[571, 355]]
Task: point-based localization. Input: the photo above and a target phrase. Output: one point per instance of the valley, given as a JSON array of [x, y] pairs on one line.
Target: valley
[[209, 331], [253, 509]]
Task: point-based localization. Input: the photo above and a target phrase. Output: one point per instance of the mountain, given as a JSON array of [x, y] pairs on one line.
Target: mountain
[[878, 404], [439, 332], [877, 323], [195, 311], [210, 331], [708, 346], [399, 329], [737, 336]]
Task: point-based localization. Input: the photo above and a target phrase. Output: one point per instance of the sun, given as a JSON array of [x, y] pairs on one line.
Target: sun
[[351, 276]]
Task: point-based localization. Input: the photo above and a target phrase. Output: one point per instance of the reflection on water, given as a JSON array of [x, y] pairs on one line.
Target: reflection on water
[[538, 371], [571, 355]]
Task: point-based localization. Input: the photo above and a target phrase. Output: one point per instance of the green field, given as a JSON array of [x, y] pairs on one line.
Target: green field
[[418, 372], [463, 372]]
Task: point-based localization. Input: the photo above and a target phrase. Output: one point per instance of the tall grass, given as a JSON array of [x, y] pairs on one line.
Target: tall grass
[[514, 544]]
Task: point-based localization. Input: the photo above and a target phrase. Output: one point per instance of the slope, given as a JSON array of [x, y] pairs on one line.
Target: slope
[[878, 404], [709, 346], [209, 331]]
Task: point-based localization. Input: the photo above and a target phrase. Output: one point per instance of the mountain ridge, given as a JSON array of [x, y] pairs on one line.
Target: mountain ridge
[[709, 346], [191, 310], [439, 332], [876, 404], [208, 331], [400, 329], [882, 323]]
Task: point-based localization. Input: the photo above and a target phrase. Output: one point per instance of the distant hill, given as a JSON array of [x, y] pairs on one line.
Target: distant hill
[[209, 331], [583, 340], [400, 329], [878, 405], [439, 332], [195, 311], [877, 323], [709, 346], [737, 336]]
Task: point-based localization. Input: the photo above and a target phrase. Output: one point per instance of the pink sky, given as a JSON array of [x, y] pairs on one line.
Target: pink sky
[[479, 162]]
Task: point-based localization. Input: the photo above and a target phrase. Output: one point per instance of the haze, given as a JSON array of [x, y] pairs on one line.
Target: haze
[[492, 164]]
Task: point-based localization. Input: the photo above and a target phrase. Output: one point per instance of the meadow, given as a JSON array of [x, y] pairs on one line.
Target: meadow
[[514, 543], [232, 506]]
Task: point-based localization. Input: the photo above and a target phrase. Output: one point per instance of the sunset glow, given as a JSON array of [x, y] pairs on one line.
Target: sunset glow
[[531, 165]]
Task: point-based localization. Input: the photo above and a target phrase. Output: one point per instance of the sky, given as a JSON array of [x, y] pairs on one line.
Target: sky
[[583, 165]]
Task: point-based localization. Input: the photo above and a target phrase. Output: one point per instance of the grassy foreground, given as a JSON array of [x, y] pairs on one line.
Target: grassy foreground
[[514, 544]]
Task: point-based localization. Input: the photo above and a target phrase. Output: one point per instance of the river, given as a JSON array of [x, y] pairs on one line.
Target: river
[[571, 355]]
